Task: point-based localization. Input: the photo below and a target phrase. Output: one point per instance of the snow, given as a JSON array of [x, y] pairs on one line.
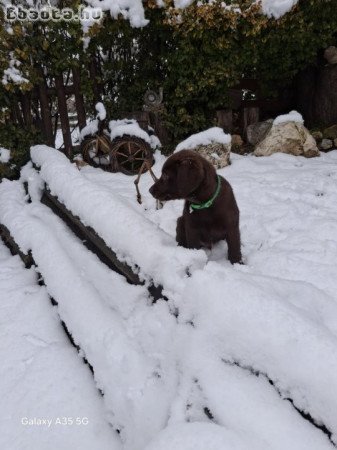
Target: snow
[[277, 8], [271, 8], [238, 340], [293, 116], [75, 137], [101, 112], [89, 130], [182, 3], [131, 10], [89, 17], [119, 128], [206, 137], [130, 127], [131, 231], [199, 436], [12, 74], [42, 376], [5, 155]]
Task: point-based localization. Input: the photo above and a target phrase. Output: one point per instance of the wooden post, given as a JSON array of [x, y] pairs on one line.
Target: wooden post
[[94, 77], [225, 120], [63, 111], [81, 117], [250, 115], [47, 125]]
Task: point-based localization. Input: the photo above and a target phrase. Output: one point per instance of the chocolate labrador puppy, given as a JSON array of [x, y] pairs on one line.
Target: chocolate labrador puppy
[[210, 213]]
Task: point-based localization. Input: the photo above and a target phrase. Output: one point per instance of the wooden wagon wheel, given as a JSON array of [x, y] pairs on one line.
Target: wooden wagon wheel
[[129, 153], [96, 151]]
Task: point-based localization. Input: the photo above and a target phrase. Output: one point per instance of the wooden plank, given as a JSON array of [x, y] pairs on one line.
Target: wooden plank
[[96, 244], [28, 261], [14, 248]]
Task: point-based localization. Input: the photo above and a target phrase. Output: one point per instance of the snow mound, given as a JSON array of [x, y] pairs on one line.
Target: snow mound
[[210, 136], [293, 116], [5, 155]]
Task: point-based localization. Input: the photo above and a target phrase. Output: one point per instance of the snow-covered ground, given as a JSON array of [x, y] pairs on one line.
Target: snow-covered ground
[[48, 397], [246, 339]]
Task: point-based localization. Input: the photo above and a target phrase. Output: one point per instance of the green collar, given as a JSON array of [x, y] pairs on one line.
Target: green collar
[[209, 202]]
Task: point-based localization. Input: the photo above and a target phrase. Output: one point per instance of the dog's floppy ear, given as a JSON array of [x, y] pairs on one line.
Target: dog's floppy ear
[[189, 176]]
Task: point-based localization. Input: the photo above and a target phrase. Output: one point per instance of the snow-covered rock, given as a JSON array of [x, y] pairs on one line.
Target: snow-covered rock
[[288, 135], [213, 144], [330, 133]]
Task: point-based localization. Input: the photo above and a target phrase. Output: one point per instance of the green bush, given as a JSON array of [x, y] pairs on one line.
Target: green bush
[[18, 141]]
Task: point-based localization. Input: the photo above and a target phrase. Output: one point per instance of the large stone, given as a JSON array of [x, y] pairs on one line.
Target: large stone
[[256, 132], [237, 140], [335, 143], [330, 133], [326, 144], [288, 137], [238, 146], [317, 135], [216, 153], [330, 55]]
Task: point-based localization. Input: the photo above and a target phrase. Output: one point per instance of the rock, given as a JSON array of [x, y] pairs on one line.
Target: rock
[[238, 146], [216, 153], [326, 144], [288, 137], [317, 135], [256, 132], [330, 55], [330, 133], [237, 140], [335, 143]]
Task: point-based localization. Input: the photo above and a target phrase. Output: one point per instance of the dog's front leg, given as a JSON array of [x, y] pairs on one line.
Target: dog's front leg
[[234, 244], [181, 232], [193, 237]]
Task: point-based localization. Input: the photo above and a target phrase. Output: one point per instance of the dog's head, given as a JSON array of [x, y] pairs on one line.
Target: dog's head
[[182, 174]]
